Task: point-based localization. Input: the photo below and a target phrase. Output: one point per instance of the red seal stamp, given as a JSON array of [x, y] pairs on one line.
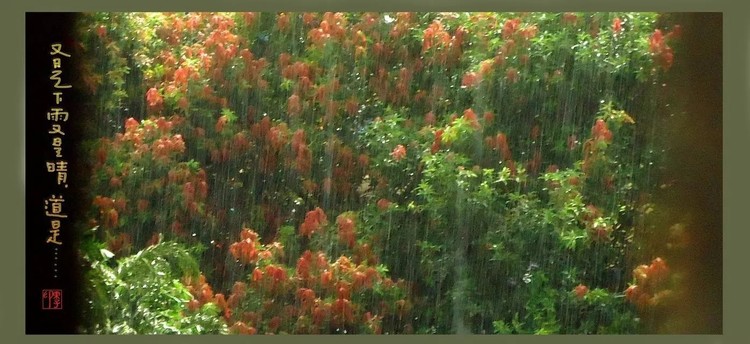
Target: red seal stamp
[[52, 299]]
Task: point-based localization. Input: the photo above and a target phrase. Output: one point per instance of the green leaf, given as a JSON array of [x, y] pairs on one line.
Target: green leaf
[[106, 254], [229, 114]]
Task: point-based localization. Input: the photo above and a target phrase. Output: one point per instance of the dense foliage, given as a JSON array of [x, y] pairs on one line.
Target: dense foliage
[[374, 172]]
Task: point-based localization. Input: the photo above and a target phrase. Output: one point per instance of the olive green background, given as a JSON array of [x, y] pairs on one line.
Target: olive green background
[[736, 149]]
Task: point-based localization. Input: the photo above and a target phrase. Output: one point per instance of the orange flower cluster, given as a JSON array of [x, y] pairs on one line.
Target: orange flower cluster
[[107, 208], [119, 244], [536, 161], [500, 143], [273, 278], [346, 226], [660, 51], [314, 221], [271, 138], [434, 35], [246, 250], [254, 69], [597, 231], [600, 132], [436, 144], [650, 280], [580, 291], [317, 298], [470, 80], [154, 99], [570, 18], [384, 204], [344, 171], [616, 26], [600, 137], [167, 146], [447, 48], [332, 26], [510, 27], [303, 162], [203, 293], [398, 153], [471, 117], [306, 264]]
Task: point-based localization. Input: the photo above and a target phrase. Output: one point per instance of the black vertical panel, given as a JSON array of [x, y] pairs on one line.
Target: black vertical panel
[[50, 266]]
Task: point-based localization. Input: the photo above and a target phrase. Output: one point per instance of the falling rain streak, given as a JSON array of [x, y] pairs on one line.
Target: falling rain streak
[[380, 173]]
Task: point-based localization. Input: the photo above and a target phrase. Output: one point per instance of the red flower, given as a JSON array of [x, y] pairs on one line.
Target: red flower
[[488, 117], [101, 31], [257, 275], [314, 220], [501, 142], [511, 74], [320, 314], [274, 323], [510, 27], [220, 301], [601, 233], [303, 163], [471, 117], [342, 312], [570, 18], [193, 305], [294, 106], [438, 141], [676, 33], [346, 229], [617, 26], [640, 273], [658, 270], [535, 162], [600, 131], [656, 42], [632, 293], [429, 118], [112, 219], [240, 328], [154, 98], [383, 204], [220, 123], [470, 79], [574, 181], [115, 182], [142, 205], [326, 278], [131, 124], [121, 204], [363, 161], [398, 153], [306, 297], [303, 268], [535, 132], [529, 32], [485, 67]]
